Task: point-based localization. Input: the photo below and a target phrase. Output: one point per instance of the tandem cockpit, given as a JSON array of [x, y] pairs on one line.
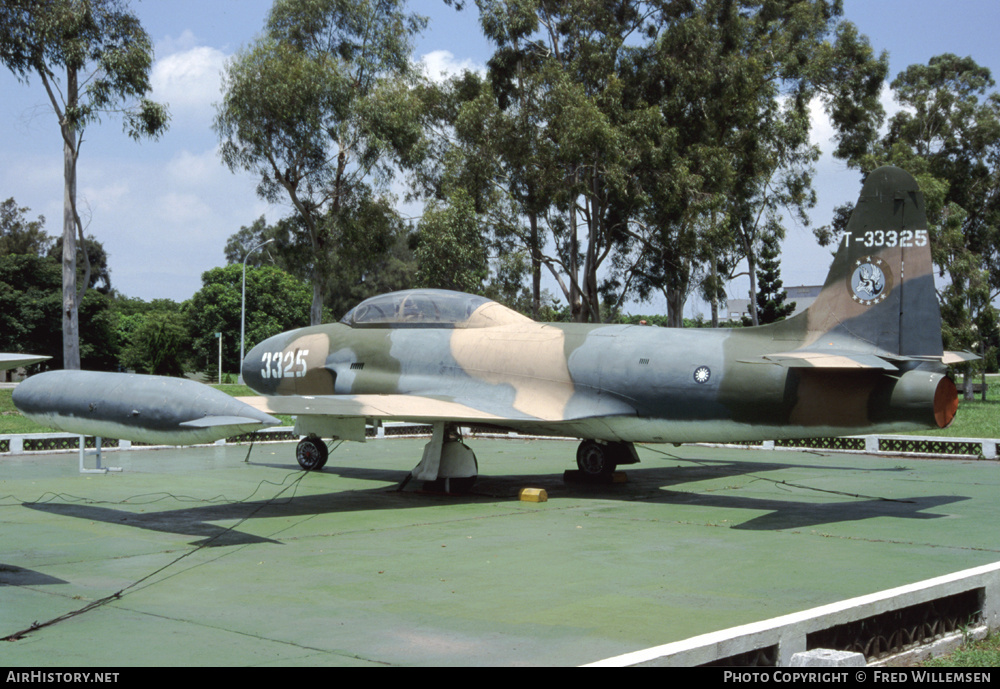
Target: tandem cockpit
[[430, 308]]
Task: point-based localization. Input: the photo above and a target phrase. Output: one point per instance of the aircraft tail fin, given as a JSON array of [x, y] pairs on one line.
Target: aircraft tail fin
[[879, 297]]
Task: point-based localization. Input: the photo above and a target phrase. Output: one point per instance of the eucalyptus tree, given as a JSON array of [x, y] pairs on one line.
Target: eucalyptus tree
[[734, 81], [571, 165], [373, 254], [950, 126], [473, 193], [320, 108], [93, 59], [658, 138], [948, 136], [450, 250]]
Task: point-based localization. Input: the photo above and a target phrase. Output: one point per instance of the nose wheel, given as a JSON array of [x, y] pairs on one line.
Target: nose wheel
[[312, 453]]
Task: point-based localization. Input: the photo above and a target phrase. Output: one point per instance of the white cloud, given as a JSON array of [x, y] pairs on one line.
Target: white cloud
[[821, 128], [183, 211], [439, 65], [169, 45], [104, 197], [203, 170], [189, 80]]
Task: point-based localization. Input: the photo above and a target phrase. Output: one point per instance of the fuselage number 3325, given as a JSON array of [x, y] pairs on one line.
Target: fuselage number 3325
[[284, 364]]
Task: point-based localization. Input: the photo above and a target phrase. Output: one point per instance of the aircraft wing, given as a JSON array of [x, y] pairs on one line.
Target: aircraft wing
[[403, 407], [17, 360], [428, 409]]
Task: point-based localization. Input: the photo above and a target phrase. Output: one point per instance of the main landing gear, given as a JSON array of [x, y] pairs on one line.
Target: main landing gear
[[597, 461], [449, 466]]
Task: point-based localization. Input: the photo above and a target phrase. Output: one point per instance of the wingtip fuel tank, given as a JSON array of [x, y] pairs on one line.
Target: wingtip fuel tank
[[141, 408]]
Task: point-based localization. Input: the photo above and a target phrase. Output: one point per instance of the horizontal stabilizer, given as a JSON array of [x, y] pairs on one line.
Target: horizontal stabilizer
[[951, 358], [829, 360], [947, 358]]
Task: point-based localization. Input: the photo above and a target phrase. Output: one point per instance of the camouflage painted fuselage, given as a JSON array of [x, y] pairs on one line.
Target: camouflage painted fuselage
[[612, 382]]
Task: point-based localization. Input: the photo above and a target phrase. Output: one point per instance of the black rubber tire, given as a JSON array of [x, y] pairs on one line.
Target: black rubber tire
[[311, 453], [594, 460]]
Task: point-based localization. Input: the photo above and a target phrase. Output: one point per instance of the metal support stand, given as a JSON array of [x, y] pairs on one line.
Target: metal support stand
[[96, 451]]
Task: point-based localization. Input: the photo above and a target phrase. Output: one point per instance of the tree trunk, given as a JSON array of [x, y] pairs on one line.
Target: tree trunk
[[70, 311], [316, 311], [982, 348], [675, 306], [574, 293], [752, 269], [536, 268], [590, 266], [715, 292]]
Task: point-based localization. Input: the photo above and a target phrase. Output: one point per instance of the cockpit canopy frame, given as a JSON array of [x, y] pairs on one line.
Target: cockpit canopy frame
[[422, 308]]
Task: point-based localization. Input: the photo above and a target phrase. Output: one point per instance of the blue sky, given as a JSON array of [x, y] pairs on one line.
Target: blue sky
[[164, 209]]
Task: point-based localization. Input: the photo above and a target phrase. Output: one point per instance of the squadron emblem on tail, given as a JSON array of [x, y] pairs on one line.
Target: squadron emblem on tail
[[871, 281]]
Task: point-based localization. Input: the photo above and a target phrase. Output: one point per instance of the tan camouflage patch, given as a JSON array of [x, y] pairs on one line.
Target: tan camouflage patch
[[525, 355]]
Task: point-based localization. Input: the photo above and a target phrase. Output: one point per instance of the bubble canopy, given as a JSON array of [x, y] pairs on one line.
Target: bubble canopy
[[425, 308]]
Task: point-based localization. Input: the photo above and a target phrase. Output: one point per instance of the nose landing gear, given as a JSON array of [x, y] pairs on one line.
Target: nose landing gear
[[312, 453]]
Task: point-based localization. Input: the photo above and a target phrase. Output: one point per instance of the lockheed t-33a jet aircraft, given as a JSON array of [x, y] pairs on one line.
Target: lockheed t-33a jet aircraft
[[865, 357]]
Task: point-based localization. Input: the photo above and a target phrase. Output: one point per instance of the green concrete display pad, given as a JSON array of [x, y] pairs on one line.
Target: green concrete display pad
[[231, 556]]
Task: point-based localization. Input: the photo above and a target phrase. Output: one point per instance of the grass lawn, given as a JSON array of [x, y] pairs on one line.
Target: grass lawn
[[975, 419], [985, 653], [11, 421]]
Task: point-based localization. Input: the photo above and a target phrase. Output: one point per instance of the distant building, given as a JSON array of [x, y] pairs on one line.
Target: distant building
[[803, 296], [737, 308]]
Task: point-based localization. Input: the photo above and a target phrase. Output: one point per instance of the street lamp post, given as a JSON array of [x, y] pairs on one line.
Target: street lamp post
[[243, 307]]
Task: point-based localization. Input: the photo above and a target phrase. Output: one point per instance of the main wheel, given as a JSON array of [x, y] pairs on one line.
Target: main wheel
[[594, 460], [311, 453]]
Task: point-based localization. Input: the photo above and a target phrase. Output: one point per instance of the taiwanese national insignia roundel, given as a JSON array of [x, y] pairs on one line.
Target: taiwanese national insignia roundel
[[702, 374]]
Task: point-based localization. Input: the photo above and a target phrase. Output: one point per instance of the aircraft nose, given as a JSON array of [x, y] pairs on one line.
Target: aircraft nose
[[256, 366], [291, 363]]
